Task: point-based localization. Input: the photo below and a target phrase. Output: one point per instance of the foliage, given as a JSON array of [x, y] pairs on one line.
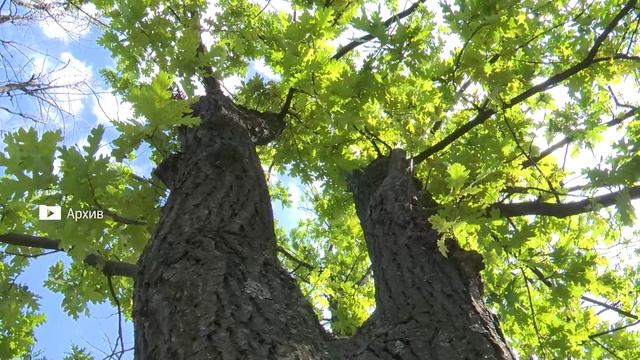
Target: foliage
[[78, 353], [519, 76]]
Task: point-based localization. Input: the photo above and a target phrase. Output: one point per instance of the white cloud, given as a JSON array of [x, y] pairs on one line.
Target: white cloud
[[231, 84], [57, 163], [210, 13], [74, 76], [107, 107], [65, 81], [207, 39], [264, 70], [66, 24]]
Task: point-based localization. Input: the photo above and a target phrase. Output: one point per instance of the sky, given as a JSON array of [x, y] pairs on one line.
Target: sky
[[70, 56]]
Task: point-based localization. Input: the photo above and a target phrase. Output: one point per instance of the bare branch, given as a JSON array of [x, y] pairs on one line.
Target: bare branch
[[610, 331], [610, 307], [27, 78], [120, 338]]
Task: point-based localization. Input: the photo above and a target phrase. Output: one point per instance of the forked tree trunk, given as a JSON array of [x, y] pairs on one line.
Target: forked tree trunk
[[210, 285]]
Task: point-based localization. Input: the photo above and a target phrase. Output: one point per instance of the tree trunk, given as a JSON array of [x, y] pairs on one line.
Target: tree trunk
[[210, 286], [427, 306]]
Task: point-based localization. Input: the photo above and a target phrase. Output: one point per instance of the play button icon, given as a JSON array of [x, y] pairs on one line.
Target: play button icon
[[46, 212]]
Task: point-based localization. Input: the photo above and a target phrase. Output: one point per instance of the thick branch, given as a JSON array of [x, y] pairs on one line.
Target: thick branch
[[547, 84], [366, 38], [458, 133], [108, 267], [562, 210]]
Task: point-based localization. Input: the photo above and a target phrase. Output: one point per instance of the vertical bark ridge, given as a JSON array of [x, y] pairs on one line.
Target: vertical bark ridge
[[209, 284], [427, 306]]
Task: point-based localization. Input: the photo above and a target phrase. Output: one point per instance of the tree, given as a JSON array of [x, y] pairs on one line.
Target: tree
[[423, 152]]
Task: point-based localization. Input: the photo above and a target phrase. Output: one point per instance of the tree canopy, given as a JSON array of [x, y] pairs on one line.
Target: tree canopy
[[520, 117]]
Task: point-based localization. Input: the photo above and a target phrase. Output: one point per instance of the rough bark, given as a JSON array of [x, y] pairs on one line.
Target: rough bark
[[427, 306], [209, 284]]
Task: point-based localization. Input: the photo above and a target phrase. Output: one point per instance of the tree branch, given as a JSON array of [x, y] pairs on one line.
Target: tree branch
[[120, 338], [551, 285], [121, 219], [611, 331], [562, 210], [610, 307], [366, 38], [569, 139], [287, 104], [533, 312], [458, 133], [552, 81], [293, 258], [107, 267], [585, 63]]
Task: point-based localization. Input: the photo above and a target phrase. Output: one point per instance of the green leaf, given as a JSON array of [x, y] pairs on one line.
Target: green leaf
[[625, 208], [458, 175]]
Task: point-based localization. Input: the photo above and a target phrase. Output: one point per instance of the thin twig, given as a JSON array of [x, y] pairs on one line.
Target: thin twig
[[533, 312], [120, 338]]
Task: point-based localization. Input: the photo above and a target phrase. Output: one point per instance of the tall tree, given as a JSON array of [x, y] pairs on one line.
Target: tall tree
[[420, 141]]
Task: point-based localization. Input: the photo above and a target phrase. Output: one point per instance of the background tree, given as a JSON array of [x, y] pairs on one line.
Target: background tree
[[437, 122]]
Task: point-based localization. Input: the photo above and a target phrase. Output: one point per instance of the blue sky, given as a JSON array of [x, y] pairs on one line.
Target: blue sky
[[70, 60]]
